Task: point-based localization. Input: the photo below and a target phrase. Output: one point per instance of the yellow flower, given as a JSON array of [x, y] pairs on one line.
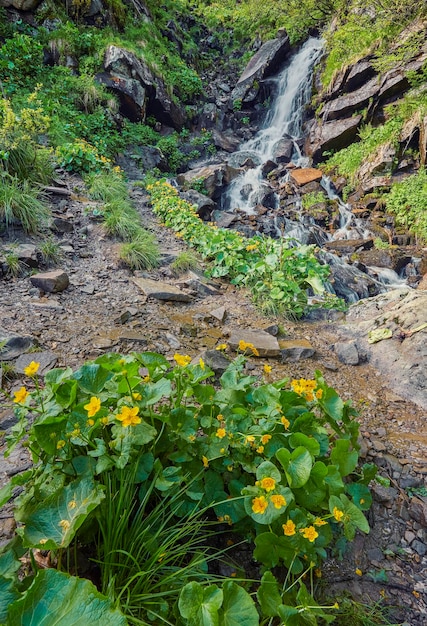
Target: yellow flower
[[338, 514], [191, 437], [319, 522], [202, 363], [222, 346], [265, 439], [309, 533], [289, 528], [136, 396], [260, 449], [246, 345], [249, 439], [278, 501], [32, 368], [220, 433], [72, 504], [128, 416], [182, 360], [93, 406], [65, 524], [286, 423], [146, 379], [268, 484], [20, 395], [90, 422], [205, 461], [319, 393], [267, 369], [104, 420], [220, 417], [43, 541], [358, 571], [259, 505], [60, 444]]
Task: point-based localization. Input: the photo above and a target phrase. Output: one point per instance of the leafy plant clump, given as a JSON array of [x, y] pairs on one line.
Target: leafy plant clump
[[278, 274], [136, 460], [408, 202]]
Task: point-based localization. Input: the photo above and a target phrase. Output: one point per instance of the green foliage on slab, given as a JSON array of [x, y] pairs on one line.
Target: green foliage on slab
[[408, 202]]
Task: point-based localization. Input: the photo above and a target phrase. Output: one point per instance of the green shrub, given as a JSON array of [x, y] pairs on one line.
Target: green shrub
[[21, 59], [186, 260], [22, 203], [142, 252], [408, 202]]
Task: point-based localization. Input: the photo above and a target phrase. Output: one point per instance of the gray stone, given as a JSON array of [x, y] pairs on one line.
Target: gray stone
[[214, 176], [161, 291], [216, 361], [331, 135], [418, 511], [204, 205], [296, 349], [220, 314], [347, 352], [46, 359], [265, 344], [14, 345], [51, 282], [384, 495]]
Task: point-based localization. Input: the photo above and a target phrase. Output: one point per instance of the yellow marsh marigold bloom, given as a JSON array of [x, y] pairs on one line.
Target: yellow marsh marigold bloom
[[358, 572], [259, 505], [20, 395], [289, 528], [182, 360], [136, 396], [268, 483], [93, 406], [222, 346], [221, 433], [319, 393], [205, 461], [319, 522], [128, 416], [265, 439], [278, 501], [337, 514], [267, 369], [309, 533], [60, 444], [260, 449], [90, 422], [246, 345], [249, 439], [286, 423], [202, 363], [32, 368]]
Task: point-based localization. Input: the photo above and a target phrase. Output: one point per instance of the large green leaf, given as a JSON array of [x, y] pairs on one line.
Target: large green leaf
[[52, 523], [238, 608], [57, 599], [343, 457], [8, 594], [199, 606], [92, 377], [297, 465], [268, 595]]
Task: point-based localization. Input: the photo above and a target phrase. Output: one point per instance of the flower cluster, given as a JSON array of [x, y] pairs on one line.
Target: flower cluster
[[307, 388], [246, 345]]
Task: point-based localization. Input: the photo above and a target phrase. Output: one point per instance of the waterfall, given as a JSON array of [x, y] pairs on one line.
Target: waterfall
[[284, 120]]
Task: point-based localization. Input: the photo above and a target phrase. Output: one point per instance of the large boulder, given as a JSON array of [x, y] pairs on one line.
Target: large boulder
[[21, 5], [214, 176], [332, 135], [264, 63], [140, 92]]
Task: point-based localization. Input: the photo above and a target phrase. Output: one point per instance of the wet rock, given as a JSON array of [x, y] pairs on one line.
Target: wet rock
[[21, 5], [51, 282], [264, 63], [304, 175], [347, 352], [331, 136], [344, 106], [14, 345], [265, 344], [418, 511], [161, 291], [296, 350], [394, 259], [204, 205], [46, 359], [225, 141], [283, 150], [214, 176], [349, 246]]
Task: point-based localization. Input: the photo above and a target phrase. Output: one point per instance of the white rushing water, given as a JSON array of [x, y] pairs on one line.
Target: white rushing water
[[283, 120]]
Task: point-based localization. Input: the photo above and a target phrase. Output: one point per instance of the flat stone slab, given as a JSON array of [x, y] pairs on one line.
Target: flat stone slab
[[296, 349], [14, 345], [305, 175], [265, 344], [51, 282], [46, 359], [161, 291]]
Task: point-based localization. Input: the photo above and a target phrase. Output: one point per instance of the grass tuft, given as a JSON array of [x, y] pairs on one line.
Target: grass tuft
[[142, 252]]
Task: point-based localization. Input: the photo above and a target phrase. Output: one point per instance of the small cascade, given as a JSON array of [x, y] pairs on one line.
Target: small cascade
[[284, 120]]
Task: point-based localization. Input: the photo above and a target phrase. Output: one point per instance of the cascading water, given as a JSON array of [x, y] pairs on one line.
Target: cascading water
[[248, 191], [284, 120]]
